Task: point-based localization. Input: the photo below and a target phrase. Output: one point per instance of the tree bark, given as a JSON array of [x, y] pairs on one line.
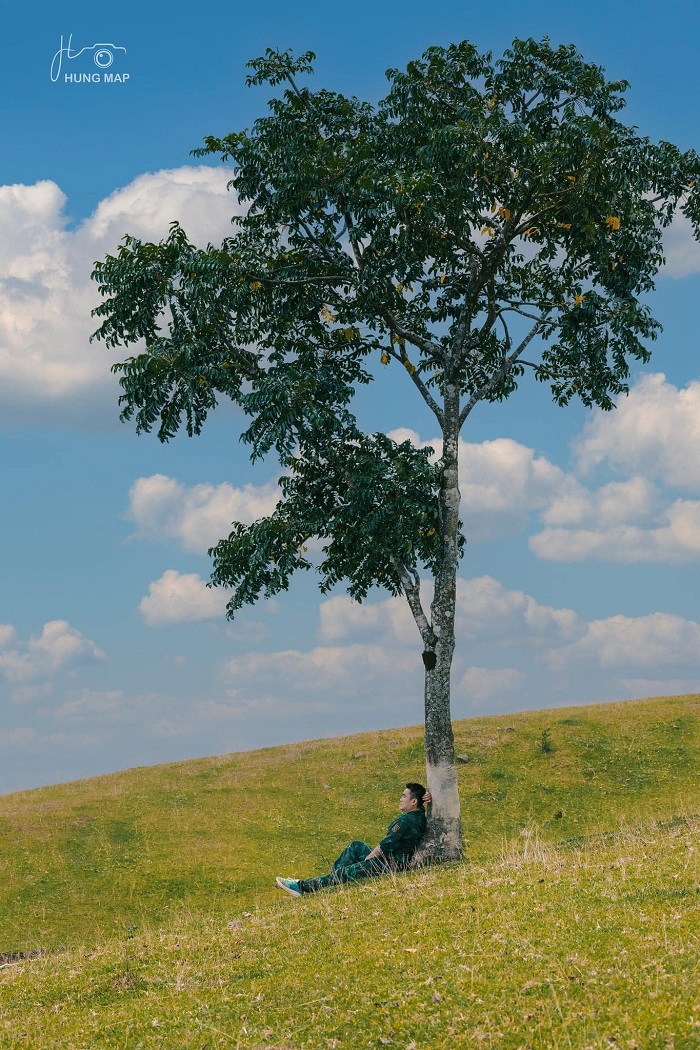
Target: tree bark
[[443, 837]]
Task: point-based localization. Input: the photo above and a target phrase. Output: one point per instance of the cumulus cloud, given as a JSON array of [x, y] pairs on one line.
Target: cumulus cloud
[[195, 517], [630, 642], [323, 668], [502, 482], [106, 705], [46, 362], [59, 647], [675, 542], [681, 249], [511, 651], [342, 618], [482, 684], [655, 432], [179, 597], [617, 503], [486, 611]]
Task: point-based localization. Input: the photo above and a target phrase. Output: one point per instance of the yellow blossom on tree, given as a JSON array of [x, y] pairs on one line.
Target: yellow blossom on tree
[[564, 225], [255, 285], [578, 299], [442, 278], [492, 102], [327, 315], [531, 231], [488, 230], [612, 222]]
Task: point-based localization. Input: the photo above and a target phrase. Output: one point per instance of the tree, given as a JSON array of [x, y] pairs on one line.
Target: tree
[[483, 222]]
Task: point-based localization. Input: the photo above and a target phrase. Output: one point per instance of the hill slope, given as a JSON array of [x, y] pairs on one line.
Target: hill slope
[[592, 947], [85, 861]]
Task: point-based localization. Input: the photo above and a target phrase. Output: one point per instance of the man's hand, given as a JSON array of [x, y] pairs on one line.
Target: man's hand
[[427, 798], [376, 852]]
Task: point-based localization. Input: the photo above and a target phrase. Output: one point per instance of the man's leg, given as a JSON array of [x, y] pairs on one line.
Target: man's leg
[[353, 853], [362, 869]]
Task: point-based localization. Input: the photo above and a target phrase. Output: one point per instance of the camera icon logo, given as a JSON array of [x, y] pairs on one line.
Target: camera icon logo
[[103, 56]]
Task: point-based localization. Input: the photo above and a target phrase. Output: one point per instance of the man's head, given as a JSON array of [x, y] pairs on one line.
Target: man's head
[[412, 798]]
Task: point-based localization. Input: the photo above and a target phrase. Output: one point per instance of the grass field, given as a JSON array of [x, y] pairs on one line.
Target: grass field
[[574, 922]]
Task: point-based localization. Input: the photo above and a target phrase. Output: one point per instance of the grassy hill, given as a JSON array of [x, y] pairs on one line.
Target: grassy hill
[[573, 924]]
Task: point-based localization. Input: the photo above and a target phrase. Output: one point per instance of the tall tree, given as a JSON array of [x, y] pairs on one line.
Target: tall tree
[[483, 222]]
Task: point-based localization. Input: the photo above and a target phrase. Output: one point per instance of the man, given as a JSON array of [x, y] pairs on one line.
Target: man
[[360, 861]]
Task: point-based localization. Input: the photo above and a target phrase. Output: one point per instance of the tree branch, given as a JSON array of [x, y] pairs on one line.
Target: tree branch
[[419, 384], [330, 257], [411, 587], [500, 373], [413, 337]]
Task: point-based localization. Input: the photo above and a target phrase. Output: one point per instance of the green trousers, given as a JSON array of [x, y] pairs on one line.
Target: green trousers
[[350, 866]]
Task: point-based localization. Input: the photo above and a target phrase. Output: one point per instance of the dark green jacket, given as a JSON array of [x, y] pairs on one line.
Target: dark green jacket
[[403, 835]]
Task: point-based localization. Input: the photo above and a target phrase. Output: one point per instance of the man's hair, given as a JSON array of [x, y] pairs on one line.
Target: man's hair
[[417, 791]]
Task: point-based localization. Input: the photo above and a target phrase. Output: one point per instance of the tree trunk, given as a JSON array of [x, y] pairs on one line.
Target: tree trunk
[[443, 838]]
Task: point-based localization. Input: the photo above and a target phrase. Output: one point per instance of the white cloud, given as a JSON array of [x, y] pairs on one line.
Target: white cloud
[[511, 651], [676, 542], [198, 516], [655, 432], [266, 707], [46, 361], [58, 648], [484, 683], [105, 704], [486, 610], [8, 633], [632, 642], [29, 694], [336, 668], [181, 598], [342, 618], [197, 196], [681, 249], [501, 483], [619, 502]]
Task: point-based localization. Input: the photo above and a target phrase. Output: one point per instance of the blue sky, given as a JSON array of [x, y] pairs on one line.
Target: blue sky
[[580, 581]]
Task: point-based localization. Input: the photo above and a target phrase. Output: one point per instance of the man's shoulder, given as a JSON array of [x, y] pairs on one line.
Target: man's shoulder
[[407, 820]]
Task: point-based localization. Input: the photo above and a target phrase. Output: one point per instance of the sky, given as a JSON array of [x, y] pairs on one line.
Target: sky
[[580, 579]]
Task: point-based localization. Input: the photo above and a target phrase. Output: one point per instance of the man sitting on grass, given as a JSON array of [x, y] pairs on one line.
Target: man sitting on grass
[[360, 861]]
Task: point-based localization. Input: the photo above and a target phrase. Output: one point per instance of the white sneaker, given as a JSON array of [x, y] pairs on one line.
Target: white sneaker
[[289, 885]]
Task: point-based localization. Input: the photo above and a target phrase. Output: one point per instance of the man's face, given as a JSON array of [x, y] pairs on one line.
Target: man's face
[[407, 802]]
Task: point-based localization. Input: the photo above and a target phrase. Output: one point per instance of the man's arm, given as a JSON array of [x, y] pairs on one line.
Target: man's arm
[[376, 852]]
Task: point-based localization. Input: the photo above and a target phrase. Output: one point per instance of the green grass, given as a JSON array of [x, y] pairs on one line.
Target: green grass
[[594, 946], [574, 922]]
